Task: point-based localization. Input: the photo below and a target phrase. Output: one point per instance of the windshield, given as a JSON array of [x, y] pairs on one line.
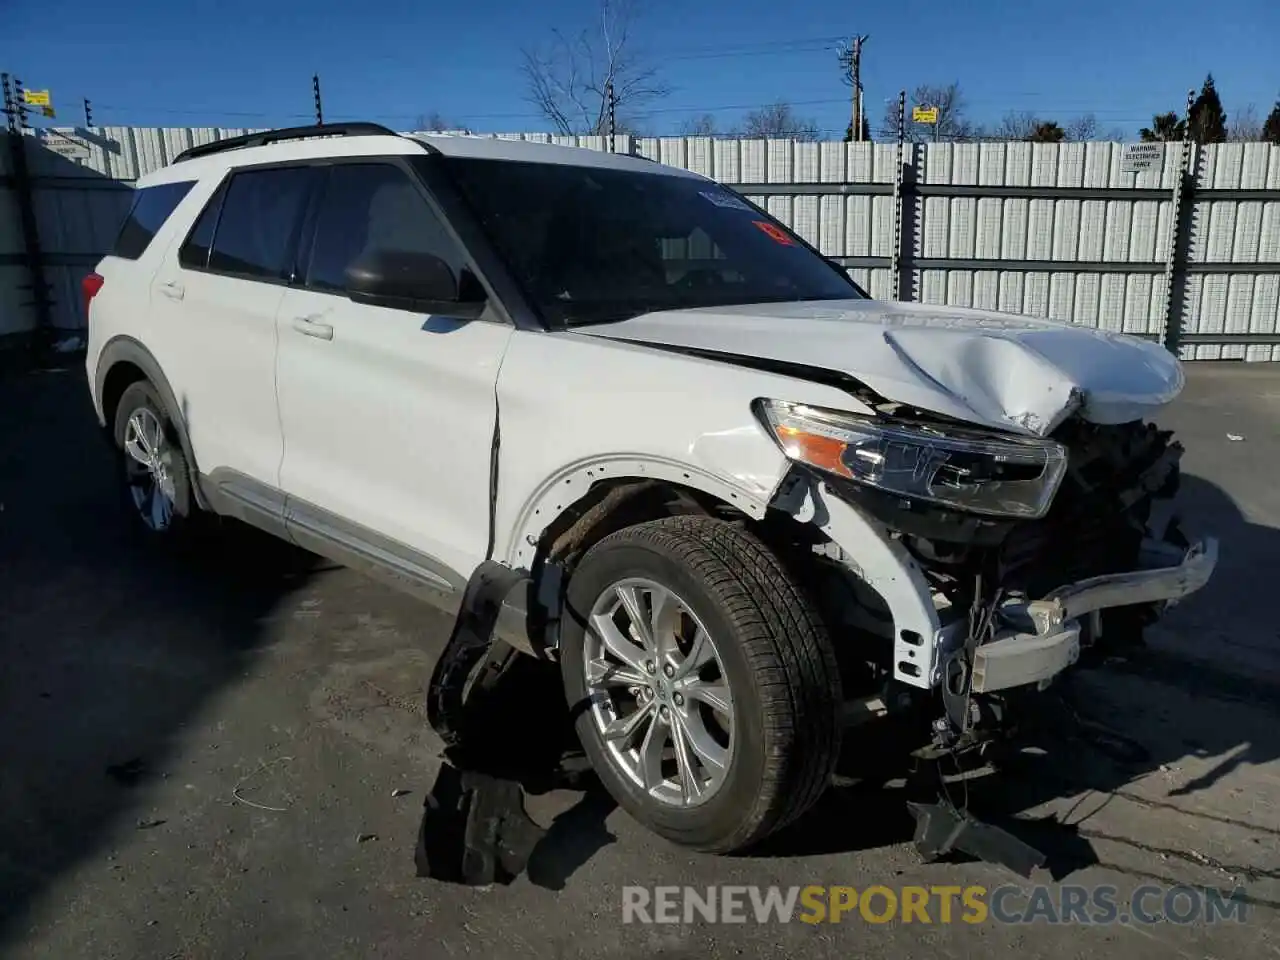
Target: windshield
[[591, 245]]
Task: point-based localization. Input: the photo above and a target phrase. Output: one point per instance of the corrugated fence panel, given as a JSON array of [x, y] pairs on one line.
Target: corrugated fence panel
[[80, 201]]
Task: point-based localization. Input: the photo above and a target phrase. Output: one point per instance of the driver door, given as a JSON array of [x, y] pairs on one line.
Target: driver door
[[388, 415]]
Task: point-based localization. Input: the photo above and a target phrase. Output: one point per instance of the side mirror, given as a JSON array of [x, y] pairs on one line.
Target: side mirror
[[418, 282]]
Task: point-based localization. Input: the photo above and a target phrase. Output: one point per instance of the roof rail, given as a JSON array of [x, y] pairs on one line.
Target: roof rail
[[285, 133]]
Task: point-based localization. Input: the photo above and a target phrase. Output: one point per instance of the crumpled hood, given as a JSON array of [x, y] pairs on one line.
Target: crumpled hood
[[1003, 371]]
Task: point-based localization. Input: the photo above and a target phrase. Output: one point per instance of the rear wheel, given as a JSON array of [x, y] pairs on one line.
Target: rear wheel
[[703, 681], [154, 473]]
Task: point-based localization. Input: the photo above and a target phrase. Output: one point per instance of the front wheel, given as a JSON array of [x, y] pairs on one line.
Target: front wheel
[[703, 681]]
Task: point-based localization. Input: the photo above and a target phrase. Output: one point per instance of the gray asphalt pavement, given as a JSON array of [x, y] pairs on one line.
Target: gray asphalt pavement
[[208, 756]]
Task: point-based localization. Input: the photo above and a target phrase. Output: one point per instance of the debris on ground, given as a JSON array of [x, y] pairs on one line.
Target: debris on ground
[[365, 837], [148, 824], [400, 792], [235, 793], [129, 773], [1234, 436], [69, 344]]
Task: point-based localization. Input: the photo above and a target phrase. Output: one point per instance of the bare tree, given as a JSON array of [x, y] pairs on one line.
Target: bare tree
[[1087, 127], [703, 126], [1245, 125], [778, 121], [568, 78], [435, 121], [1024, 125], [951, 125], [1013, 126]]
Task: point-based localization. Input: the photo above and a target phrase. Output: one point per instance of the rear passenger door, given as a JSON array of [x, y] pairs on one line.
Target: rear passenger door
[[388, 414], [217, 301]]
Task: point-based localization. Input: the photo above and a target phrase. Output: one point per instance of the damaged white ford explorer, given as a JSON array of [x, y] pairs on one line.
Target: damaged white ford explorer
[[614, 415]]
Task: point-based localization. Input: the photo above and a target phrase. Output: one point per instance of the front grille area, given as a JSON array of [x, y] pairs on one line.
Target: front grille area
[[1098, 519]]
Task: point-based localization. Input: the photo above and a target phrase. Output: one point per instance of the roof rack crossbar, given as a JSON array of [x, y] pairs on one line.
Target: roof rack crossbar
[[285, 133]]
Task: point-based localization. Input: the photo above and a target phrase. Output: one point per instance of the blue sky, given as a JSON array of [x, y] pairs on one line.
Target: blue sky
[[249, 62]]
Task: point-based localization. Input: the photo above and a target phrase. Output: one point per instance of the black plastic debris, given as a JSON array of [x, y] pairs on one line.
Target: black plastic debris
[[475, 829], [942, 828]]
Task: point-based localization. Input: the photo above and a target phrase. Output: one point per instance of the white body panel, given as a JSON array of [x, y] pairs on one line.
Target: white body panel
[[1011, 373], [215, 338], [574, 404], [212, 336], [389, 423]]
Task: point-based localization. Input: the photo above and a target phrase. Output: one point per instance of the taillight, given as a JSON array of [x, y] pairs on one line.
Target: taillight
[[89, 288]]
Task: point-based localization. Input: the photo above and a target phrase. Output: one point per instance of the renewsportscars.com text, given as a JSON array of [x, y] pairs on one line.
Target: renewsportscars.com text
[[1008, 904]]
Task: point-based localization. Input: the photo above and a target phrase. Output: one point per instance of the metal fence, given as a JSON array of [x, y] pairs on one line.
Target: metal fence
[[1049, 230]]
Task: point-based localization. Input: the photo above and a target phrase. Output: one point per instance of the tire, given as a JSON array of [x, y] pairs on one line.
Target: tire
[[170, 514], [772, 652]]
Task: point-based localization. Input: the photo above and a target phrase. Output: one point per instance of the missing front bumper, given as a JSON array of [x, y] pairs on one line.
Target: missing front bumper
[[1019, 657]]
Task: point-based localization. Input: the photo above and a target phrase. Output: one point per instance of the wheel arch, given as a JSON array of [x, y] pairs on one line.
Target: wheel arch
[[124, 361], [589, 500]]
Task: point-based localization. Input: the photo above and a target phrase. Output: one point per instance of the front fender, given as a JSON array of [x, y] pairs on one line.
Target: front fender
[[577, 409]]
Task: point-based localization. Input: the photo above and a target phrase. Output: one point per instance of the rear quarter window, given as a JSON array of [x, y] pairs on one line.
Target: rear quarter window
[[150, 209]]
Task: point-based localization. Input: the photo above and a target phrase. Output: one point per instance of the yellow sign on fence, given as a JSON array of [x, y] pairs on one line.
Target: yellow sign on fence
[[924, 114], [37, 98]]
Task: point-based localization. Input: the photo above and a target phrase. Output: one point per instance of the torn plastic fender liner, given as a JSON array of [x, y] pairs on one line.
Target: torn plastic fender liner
[[474, 826], [470, 640]]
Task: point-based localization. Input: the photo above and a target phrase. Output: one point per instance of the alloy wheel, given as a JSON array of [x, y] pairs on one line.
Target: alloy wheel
[[658, 691], [148, 462]]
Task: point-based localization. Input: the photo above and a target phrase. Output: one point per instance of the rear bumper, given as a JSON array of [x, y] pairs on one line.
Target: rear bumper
[[1017, 657]]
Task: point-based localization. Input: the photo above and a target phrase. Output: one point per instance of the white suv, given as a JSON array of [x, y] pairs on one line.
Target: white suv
[[649, 431]]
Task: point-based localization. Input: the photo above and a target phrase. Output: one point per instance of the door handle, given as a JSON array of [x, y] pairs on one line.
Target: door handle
[[312, 328], [172, 289]]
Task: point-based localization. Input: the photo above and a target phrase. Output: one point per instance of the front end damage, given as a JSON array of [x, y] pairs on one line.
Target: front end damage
[[969, 617]]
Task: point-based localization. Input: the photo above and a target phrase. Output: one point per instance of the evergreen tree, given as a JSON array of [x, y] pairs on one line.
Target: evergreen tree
[[1165, 128], [1208, 119], [1046, 131], [1271, 128], [866, 130]]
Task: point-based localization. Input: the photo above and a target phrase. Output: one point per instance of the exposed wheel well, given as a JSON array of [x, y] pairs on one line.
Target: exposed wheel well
[[613, 505], [811, 558], [118, 378]]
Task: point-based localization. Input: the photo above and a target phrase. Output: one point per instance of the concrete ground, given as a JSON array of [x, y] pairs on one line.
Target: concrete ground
[[201, 757]]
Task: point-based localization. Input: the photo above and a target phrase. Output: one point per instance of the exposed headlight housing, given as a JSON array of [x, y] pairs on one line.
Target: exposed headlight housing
[[993, 474]]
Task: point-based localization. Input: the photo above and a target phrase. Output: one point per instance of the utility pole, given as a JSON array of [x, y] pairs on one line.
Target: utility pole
[[315, 89], [88, 114], [611, 102], [851, 60], [10, 104]]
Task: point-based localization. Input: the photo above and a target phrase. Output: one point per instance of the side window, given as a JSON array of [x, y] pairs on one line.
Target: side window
[[371, 206], [195, 250], [258, 223], [151, 208]]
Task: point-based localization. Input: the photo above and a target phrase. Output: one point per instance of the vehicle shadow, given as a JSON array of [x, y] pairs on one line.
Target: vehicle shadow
[[109, 644], [1171, 705]]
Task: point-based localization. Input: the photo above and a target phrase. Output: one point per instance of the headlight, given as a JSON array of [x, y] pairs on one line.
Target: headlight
[[966, 470]]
